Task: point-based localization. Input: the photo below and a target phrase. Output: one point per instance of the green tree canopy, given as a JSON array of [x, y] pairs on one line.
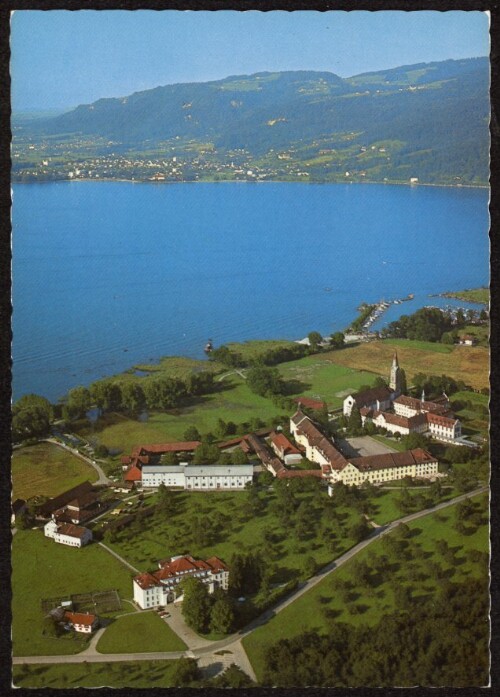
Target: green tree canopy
[[196, 604]]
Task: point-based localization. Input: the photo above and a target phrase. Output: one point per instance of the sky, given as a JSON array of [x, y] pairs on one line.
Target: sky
[[61, 59]]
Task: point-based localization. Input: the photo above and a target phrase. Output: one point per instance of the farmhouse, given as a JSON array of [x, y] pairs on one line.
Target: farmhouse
[[45, 510], [157, 588], [83, 622], [67, 533], [197, 477]]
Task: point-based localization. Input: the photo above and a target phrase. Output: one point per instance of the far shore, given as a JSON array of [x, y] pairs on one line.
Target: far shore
[[250, 181]]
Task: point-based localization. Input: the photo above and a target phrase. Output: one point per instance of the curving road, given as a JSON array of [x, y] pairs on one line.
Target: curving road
[[233, 642], [103, 480]]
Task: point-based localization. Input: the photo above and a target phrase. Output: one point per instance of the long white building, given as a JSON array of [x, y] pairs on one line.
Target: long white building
[[194, 477], [158, 588]]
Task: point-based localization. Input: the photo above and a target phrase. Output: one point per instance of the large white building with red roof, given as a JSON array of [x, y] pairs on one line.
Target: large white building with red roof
[[158, 588]]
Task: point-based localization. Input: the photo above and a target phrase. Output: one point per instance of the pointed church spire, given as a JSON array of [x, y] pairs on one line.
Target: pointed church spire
[[395, 377], [422, 398]]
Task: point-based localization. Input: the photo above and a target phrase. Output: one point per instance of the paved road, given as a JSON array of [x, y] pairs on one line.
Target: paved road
[[103, 480], [233, 642], [219, 378]]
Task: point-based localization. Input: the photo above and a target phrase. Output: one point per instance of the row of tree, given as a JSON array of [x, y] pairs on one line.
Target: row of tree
[[443, 643]]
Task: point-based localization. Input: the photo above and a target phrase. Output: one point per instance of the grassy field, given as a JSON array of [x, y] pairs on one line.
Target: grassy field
[[467, 363], [322, 378], [47, 469], [145, 674], [175, 367], [435, 347], [474, 295], [331, 599], [141, 632], [477, 422], [45, 569], [253, 349], [231, 527], [235, 402]]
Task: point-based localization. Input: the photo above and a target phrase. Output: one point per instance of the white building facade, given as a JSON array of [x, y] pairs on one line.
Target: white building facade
[[67, 533], [159, 588], [194, 477]]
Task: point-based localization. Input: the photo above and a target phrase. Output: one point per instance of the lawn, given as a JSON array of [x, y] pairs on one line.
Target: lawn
[[174, 367], [44, 569], [386, 503], [390, 442], [340, 597], [467, 363], [144, 674], [474, 295], [140, 632], [433, 346], [234, 402], [322, 378], [222, 524], [47, 469]]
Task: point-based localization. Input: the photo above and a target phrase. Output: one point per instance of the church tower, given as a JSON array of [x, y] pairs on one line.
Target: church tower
[[395, 377]]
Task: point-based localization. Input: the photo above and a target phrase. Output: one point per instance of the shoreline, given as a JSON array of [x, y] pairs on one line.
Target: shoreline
[[249, 181]]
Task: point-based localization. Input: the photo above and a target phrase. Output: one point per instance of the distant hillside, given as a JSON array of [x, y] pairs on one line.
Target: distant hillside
[[426, 120]]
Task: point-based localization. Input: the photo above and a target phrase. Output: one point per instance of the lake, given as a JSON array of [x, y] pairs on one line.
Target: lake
[[110, 274]]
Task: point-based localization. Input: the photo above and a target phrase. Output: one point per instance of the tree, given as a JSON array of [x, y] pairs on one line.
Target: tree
[[337, 340], [265, 381], [192, 434], [206, 454], [196, 604], [29, 401], [414, 440], [31, 422], [233, 677], [106, 394], [315, 340], [354, 423], [222, 615], [133, 399], [78, 402], [186, 672], [166, 500], [310, 566], [239, 457]]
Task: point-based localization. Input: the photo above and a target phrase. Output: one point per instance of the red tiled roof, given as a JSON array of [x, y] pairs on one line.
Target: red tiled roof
[[59, 501], [309, 403], [373, 395], [283, 444], [133, 474], [172, 568], [71, 530], [80, 618], [441, 420], [315, 438], [160, 448], [418, 405], [289, 474], [387, 460]]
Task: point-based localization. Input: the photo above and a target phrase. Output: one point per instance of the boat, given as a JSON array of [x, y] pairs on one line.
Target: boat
[[208, 346]]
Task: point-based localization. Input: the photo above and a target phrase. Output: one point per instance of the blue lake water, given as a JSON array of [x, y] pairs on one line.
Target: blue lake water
[[106, 275]]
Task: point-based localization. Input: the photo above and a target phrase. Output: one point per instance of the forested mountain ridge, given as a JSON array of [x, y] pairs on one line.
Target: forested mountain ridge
[[427, 120]]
